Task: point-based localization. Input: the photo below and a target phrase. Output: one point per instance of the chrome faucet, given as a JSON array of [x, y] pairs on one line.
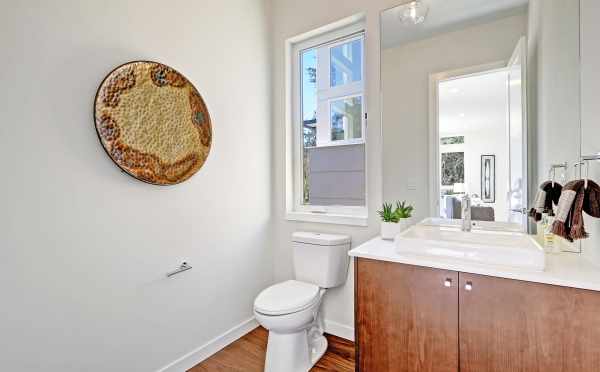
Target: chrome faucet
[[465, 207]]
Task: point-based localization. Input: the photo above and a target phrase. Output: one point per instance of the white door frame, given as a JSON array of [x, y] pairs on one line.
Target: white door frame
[[434, 148], [521, 52]]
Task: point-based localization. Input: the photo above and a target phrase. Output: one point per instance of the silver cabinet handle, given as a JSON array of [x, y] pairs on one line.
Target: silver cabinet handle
[[469, 286], [448, 282]]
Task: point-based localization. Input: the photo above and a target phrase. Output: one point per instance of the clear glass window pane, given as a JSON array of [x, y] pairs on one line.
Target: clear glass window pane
[[308, 72], [346, 63], [309, 96], [346, 119]]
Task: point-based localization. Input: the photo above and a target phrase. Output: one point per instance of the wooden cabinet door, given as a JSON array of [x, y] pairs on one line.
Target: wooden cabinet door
[[406, 318], [510, 325]]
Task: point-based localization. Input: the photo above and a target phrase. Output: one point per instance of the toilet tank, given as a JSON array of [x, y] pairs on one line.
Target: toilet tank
[[321, 259]]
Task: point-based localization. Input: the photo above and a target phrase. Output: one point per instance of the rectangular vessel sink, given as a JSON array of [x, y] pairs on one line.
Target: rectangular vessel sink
[[489, 247]]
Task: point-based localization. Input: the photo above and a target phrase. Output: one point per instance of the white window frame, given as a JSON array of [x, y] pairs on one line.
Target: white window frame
[[344, 30], [327, 94]]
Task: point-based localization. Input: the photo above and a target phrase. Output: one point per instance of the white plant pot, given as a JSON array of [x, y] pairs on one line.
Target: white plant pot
[[405, 223], [389, 230]]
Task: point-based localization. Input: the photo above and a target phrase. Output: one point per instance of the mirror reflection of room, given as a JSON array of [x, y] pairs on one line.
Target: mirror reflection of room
[[475, 149], [465, 65]]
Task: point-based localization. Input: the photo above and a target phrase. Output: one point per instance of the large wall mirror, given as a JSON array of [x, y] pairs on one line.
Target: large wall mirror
[[472, 102]]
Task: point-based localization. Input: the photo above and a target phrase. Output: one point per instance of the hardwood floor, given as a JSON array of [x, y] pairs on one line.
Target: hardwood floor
[[248, 355]]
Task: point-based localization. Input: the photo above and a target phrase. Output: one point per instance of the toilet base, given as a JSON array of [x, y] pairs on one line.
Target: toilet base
[[317, 349], [294, 352]]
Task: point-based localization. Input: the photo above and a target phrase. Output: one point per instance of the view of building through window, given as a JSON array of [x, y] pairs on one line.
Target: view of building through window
[[332, 110]]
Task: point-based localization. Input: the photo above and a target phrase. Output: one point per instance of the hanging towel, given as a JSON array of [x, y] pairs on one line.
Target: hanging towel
[[546, 196], [574, 200]]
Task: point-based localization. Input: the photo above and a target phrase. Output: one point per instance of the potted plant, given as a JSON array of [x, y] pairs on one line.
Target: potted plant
[[389, 222], [404, 213], [394, 221]]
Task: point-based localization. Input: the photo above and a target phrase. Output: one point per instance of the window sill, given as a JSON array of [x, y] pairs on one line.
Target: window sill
[[336, 219]]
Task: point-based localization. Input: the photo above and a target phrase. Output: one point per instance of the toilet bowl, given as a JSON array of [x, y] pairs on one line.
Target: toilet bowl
[[290, 310]]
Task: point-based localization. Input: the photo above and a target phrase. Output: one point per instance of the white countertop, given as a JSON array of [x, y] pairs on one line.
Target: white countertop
[[564, 269]]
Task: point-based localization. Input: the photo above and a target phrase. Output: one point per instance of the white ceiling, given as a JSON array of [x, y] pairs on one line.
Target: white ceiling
[[473, 103], [445, 15]]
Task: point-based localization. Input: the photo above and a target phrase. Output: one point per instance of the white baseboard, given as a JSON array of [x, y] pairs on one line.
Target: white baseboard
[[340, 330], [211, 347]]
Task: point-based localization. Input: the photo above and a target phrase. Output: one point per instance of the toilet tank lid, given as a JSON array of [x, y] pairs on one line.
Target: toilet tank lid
[[319, 238]]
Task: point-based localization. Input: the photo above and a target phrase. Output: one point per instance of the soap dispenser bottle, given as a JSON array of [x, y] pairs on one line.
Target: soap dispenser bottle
[[541, 227], [550, 244]]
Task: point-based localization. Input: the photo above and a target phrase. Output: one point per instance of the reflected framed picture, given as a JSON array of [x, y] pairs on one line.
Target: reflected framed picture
[[488, 178]]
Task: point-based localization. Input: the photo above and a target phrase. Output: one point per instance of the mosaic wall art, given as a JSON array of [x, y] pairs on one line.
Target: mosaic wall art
[[153, 123]]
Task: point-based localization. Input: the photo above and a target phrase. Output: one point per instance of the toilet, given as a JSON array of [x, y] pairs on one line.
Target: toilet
[[290, 310]]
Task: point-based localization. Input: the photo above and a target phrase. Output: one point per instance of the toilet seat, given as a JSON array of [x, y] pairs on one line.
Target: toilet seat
[[288, 297]]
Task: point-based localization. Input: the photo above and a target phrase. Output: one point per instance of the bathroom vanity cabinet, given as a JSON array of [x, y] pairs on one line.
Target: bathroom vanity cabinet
[[416, 319]]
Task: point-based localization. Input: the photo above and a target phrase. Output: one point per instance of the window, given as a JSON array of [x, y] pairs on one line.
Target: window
[[346, 119], [346, 63], [328, 124]]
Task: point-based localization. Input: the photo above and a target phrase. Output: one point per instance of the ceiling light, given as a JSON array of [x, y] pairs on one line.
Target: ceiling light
[[413, 13], [462, 115]]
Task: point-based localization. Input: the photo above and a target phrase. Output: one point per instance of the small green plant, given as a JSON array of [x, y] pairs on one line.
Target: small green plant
[[403, 210], [388, 214]]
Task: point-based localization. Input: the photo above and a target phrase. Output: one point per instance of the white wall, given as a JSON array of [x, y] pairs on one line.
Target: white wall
[[553, 68], [84, 248], [405, 77], [291, 18], [590, 115]]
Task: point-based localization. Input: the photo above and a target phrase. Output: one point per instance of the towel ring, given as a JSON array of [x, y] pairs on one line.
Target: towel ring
[[552, 171], [552, 174], [587, 159]]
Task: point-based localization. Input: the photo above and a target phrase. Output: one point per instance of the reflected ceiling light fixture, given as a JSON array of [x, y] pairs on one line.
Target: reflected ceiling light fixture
[[413, 13]]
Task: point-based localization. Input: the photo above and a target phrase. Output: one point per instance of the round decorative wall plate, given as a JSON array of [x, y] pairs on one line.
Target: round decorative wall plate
[[152, 122]]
